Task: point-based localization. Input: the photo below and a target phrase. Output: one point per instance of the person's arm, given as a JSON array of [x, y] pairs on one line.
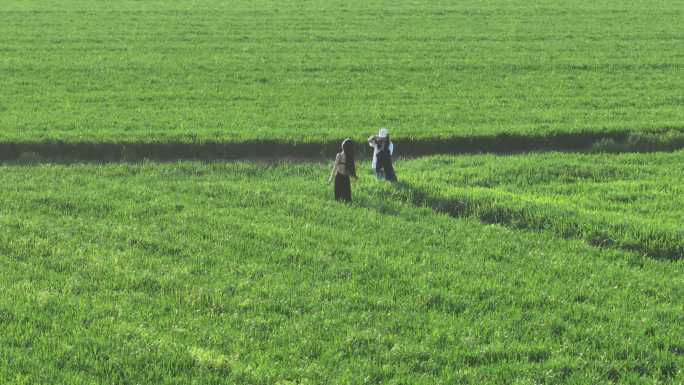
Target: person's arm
[[391, 148], [332, 173], [371, 141]]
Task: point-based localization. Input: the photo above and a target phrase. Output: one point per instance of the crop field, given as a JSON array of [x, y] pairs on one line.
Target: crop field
[[86, 71], [125, 260], [213, 273], [631, 201]]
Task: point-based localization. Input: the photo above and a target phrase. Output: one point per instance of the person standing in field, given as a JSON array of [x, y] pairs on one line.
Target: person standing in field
[[383, 149], [343, 170]]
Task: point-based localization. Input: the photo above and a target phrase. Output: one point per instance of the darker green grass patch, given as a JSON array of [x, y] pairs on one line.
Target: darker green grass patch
[[611, 142]]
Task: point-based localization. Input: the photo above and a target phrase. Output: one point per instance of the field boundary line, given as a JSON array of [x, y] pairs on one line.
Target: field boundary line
[[56, 151]]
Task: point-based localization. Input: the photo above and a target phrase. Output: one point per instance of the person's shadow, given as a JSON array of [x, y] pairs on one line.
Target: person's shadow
[[388, 198]]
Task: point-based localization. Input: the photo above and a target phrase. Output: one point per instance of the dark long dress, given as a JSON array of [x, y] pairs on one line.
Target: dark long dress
[[342, 188], [384, 163]]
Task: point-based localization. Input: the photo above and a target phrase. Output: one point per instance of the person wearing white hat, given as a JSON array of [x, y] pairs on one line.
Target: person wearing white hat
[[383, 149]]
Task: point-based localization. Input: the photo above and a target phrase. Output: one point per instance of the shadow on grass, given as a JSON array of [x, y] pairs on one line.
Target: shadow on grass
[[659, 244], [66, 152]]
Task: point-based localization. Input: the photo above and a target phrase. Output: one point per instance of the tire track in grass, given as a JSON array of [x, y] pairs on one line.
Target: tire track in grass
[[512, 210]]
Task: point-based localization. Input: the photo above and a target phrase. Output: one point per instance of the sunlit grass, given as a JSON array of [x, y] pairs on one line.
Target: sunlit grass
[[630, 201], [178, 71], [246, 273]]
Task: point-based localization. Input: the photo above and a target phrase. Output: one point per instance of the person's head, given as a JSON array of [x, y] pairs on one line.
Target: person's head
[[348, 150], [383, 138]]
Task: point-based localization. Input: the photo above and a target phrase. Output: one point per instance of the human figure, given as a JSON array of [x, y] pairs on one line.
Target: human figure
[[383, 149], [343, 169]]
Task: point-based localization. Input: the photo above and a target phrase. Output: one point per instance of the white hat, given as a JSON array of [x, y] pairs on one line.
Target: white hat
[[383, 133]]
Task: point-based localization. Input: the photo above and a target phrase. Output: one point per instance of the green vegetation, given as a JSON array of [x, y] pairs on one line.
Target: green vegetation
[[534, 269], [631, 201], [86, 71], [246, 273]]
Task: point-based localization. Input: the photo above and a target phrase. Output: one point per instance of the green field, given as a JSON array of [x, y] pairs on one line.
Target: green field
[[537, 268], [630, 201], [86, 71], [246, 273]]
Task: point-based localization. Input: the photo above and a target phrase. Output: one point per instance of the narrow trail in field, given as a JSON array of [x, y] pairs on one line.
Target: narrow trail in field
[[272, 150]]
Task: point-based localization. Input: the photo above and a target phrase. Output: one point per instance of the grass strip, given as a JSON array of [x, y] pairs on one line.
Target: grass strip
[[142, 71], [628, 201], [248, 273]]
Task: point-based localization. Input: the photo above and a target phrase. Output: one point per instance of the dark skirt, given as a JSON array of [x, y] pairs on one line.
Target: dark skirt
[[384, 166], [342, 188]]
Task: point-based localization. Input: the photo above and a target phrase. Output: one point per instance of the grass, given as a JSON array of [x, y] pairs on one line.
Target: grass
[[85, 71], [630, 201], [537, 269], [250, 273]]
